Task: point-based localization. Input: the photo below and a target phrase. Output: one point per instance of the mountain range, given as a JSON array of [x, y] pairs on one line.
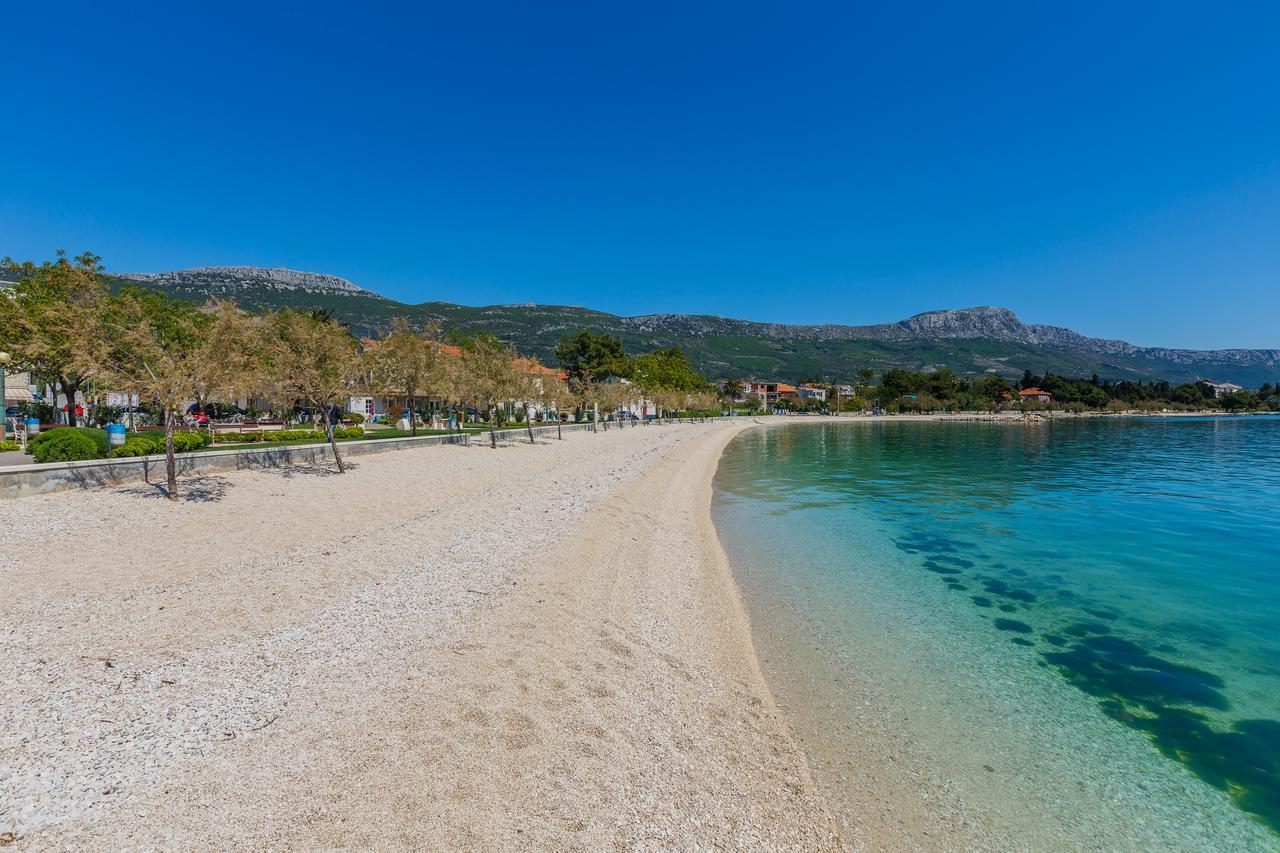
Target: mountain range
[[967, 340]]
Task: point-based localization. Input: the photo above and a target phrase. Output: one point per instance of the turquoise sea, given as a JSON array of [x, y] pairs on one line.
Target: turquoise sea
[[1068, 631]]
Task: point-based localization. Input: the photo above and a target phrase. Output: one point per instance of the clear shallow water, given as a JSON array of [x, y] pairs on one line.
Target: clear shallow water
[[1123, 574]]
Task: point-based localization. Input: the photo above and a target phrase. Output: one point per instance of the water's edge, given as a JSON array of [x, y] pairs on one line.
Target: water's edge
[[909, 754]]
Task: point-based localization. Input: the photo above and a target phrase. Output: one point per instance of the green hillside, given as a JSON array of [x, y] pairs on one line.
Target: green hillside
[[721, 347]]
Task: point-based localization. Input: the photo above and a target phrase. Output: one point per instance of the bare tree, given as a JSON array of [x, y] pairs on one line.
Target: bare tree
[[408, 363], [313, 359], [560, 398], [489, 378], [167, 351], [586, 390]]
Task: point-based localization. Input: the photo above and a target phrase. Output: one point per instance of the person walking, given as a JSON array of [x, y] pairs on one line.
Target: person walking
[[333, 417]]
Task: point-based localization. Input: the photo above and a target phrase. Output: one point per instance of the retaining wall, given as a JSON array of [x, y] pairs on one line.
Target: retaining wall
[[21, 480]]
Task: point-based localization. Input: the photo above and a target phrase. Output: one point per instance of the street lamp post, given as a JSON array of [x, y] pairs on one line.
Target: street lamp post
[[4, 404]]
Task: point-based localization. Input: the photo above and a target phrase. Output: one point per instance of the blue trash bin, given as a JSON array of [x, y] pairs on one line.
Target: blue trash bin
[[33, 426], [115, 435]]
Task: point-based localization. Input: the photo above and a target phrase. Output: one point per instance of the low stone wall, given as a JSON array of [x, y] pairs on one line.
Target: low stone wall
[[21, 480]]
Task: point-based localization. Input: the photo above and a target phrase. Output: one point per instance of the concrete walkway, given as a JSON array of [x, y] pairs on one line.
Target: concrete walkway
[[15, 457]]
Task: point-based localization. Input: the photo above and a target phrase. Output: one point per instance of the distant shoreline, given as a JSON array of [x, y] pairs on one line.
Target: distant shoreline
[[1003, 417]]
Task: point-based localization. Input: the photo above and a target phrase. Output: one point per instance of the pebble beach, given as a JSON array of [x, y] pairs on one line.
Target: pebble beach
[[538, 646]]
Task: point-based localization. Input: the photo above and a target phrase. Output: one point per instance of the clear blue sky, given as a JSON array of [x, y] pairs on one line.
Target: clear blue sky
[[1110, 167]]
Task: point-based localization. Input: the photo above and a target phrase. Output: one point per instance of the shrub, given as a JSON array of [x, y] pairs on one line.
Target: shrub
[[103, 415], [186, 442], [69, 445], [295, 434], [97, 436], [8, 445], [276, 435], [352, 418], [42, 412], [348, 432], [137, 446], [237, 437]]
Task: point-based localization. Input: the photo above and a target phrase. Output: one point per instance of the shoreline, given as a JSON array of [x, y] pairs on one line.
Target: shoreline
[[911, 751], [572, 668]]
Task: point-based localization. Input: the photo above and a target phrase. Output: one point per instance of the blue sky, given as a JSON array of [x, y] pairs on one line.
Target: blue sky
[[1113, 170]]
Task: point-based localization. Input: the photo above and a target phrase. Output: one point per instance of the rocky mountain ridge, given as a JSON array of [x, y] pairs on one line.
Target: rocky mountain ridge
[[229, 280], [983, 339], [978, 323]]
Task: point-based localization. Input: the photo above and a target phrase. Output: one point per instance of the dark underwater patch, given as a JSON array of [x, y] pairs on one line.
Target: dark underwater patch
[[1243, 761], [1013, 625], [1168, 702], [981, 600], [1084, 629], [930, 543], [1022, 641]]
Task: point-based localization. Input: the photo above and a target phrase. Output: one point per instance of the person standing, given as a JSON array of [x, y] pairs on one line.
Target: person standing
[[333, 417]]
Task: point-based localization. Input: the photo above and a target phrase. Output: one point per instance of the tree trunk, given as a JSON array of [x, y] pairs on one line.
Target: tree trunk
[[333, 442], [595, 417], [413, 421], [493, 436], [559, 429], [170, 460], [528, 422], [70, 391]]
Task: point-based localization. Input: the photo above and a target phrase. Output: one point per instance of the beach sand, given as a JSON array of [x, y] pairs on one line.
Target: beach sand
[[454, 648]]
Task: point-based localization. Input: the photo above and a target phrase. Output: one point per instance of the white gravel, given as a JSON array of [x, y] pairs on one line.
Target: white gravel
[[140, 634]]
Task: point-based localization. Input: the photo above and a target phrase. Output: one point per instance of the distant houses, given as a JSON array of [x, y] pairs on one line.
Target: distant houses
[[772, 394], [768, 393], [809, 391], [1222, 389], [1035, 395]]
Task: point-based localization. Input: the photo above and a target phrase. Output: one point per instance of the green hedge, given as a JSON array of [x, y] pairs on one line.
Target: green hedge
[[183, 442], [268, 437], [66, 445], [137, 446], [186, 442], [285, 435], [97, 436]]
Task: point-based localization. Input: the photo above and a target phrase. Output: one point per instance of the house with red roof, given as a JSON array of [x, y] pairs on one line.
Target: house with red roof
[[1035, 395]]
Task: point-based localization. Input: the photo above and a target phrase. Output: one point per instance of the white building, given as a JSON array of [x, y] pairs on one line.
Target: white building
[[1222, 389]]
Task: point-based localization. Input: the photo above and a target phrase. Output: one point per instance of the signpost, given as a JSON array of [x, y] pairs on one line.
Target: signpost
[[4, 403]]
